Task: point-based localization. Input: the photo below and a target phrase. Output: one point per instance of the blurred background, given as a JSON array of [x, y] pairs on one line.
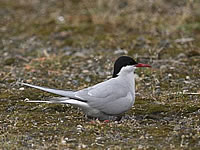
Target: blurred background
[[72, 44], [138, 26]]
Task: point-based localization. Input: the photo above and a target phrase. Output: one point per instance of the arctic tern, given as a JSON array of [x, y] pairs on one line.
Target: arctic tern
[[107, 100]]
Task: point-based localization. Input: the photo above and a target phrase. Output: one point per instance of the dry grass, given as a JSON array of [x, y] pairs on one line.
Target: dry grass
[[141, 15]]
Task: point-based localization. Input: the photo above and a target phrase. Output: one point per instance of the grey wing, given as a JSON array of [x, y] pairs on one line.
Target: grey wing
[[109, 97]]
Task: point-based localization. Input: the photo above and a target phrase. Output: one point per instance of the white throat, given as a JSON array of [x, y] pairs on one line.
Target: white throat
[[127, 70], [127, 75]]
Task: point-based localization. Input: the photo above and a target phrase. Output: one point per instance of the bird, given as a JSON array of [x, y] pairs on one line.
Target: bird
[[108, 100]]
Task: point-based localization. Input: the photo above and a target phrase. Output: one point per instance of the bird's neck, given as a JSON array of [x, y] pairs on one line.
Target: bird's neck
[[129, 79]]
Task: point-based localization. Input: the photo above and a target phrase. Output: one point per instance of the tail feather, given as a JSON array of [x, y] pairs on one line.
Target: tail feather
[[54, 100], [61, 100], [69, 97], [54, 91], [38, 101]]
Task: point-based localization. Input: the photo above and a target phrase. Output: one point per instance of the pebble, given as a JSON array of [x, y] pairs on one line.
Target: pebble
[[140, 147], [68, 53], [181, 55], [164, 43], [187, 77], [85, 71], [120, 51], [177, 127], [21, 89], [157, 91], [100, 138], [163, 67], [79, 128], [80, 54], [89, 61], [61, 19], [184, 40], [65, 140], [169, 75], [88, 79], [82, 146]]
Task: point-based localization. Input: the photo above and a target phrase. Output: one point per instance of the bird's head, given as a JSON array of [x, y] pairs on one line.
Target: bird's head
[[126, 64]]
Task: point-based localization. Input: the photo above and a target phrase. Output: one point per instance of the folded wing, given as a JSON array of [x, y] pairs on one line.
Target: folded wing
[[109, 97]]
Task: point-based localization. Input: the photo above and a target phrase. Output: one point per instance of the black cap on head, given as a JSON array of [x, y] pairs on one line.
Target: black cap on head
[[122, 62]]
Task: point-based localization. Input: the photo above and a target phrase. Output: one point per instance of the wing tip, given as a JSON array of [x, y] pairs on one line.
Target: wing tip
[[22, 83]]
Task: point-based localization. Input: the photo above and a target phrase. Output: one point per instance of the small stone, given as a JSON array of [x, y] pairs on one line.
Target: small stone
[[140, 147], [89, 61], [148, 84], [21, 89], [79, 54], [142, 137], [169, 75], [79, 128], [88, 79], [181, 55], [184, 40], [61, 19], [187, 77], [82, 146], [121, 51], [5, 54], [167, 118], [85, 71], [163, 67], [164, 43], [177, 127], [185, 91], [68, 53], [63, 141], [99, 138], [157, 91], [29, 81], [69, 140]]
